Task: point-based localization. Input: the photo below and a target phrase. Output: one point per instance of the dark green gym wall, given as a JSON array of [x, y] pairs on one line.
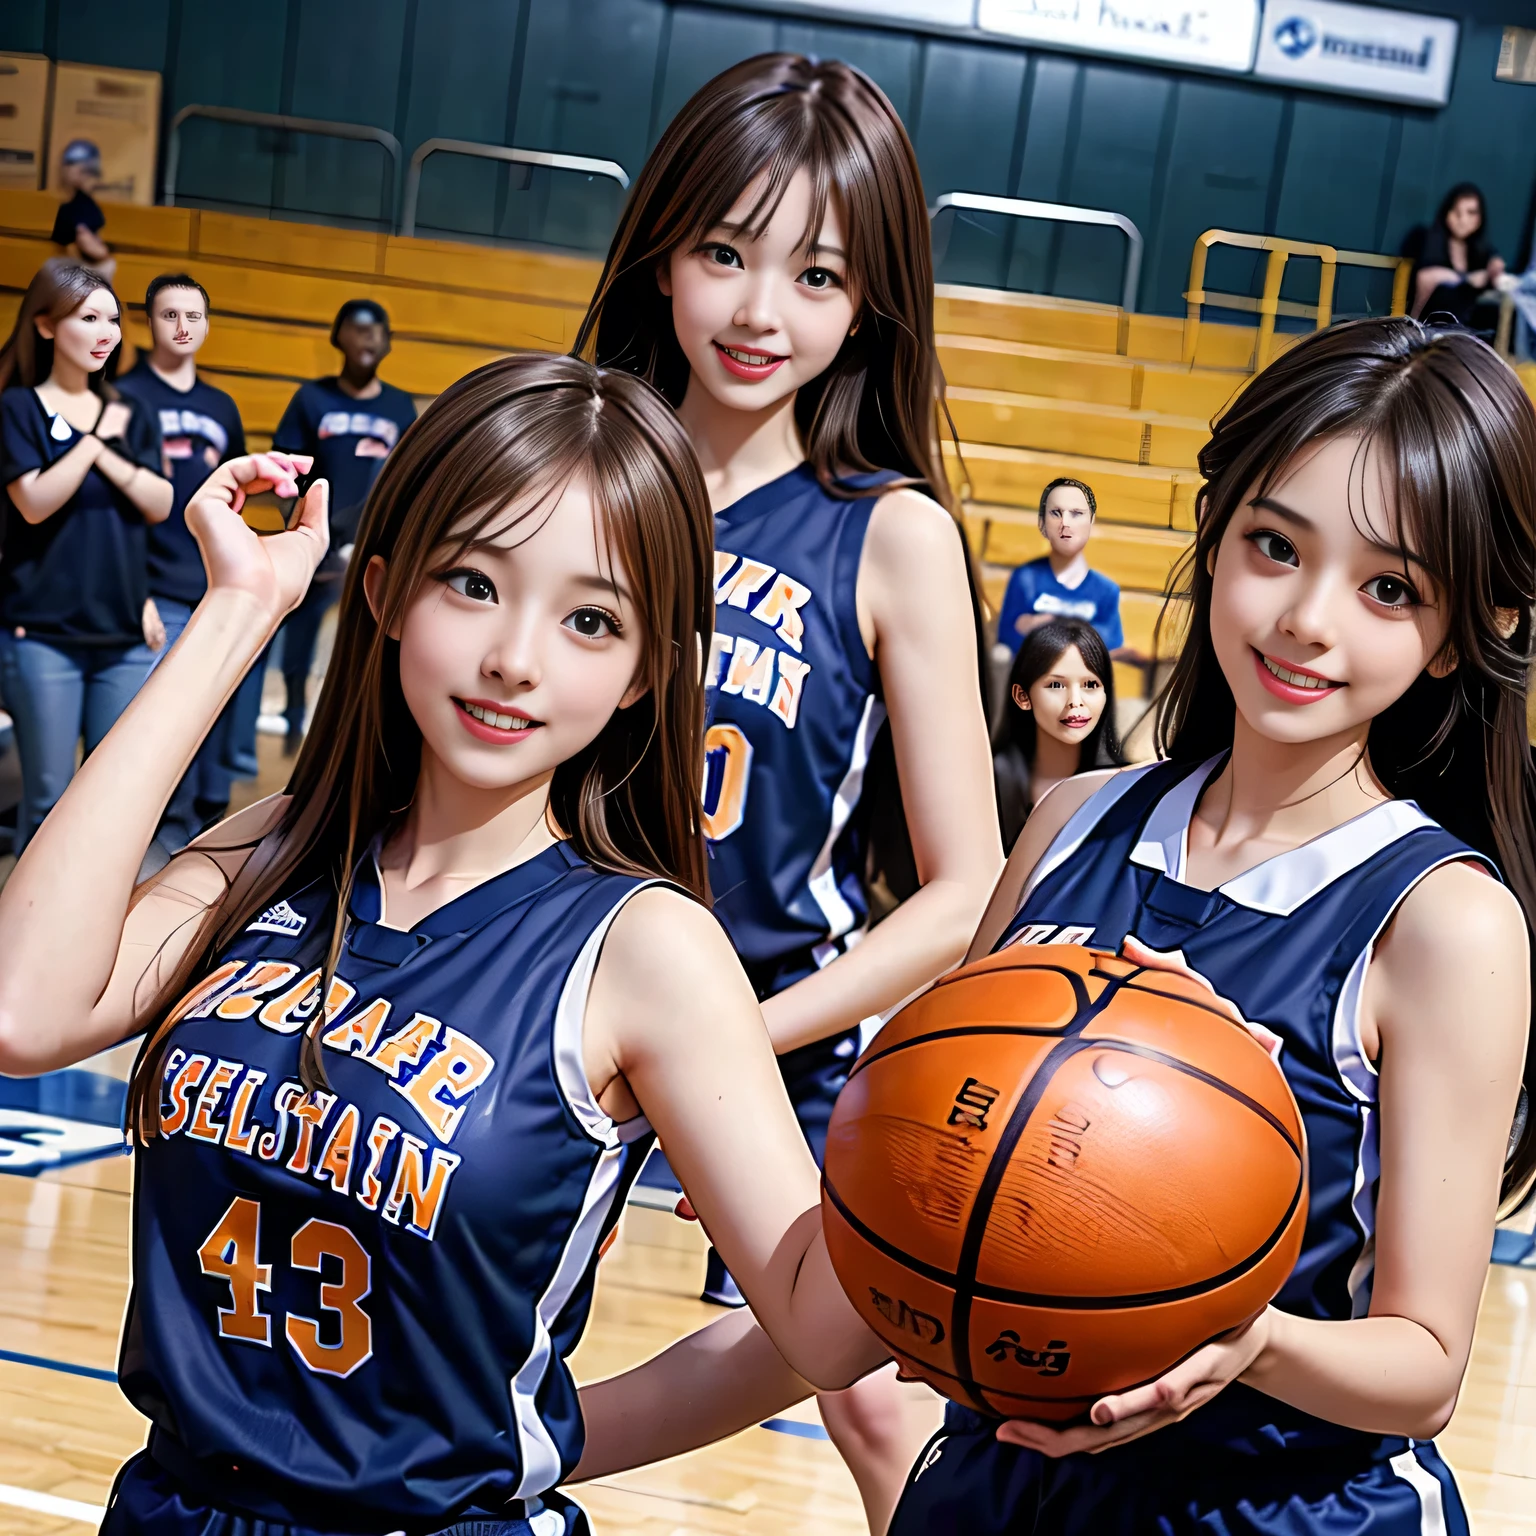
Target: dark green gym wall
[[1177, 152]]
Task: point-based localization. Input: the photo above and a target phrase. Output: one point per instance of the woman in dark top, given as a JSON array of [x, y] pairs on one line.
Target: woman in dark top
[[81, 468], [1456, 265], [1058, 720]]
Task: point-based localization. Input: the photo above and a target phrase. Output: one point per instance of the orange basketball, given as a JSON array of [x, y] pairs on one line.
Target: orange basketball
[[1056, 1174]]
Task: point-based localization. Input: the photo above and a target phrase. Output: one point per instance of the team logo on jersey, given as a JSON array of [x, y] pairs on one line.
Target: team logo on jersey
[[1049, 933], [281, 920]]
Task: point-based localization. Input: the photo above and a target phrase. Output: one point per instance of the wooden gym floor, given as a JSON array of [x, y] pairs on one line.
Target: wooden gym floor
[[65, 1428]]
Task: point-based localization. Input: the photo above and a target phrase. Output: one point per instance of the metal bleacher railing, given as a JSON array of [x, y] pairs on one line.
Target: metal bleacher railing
[[283, 122], [1065, 213], [1269, 306], [609, 169]]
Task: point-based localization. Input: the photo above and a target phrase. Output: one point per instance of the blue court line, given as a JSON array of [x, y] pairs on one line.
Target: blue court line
[[795, 1427], [68, 1367], [779, 1426]]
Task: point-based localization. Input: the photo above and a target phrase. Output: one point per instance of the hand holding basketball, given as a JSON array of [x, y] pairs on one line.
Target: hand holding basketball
[[276, 568], [1173, 1396]]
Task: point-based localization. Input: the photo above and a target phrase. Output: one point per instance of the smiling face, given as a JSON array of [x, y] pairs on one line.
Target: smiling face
[[759, 318], [1068, 701], [178, 323], [1066, 521], [1318, 619], [89, 334], [515, 654]]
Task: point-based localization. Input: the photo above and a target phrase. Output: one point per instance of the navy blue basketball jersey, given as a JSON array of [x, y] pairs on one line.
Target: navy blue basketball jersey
[[794, 709], [1288, 941], [368, 1294]]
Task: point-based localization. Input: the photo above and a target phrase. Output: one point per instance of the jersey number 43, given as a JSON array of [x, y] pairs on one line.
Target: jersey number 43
[[232, 1253]]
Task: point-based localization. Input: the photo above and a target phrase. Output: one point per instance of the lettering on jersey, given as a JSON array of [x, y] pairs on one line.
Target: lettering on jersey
[[922, 1325], [281, 920], [187, 423], [359, 424], [214, 1088], [371, 1186], [1049, 933], [335, 1160], [240, 1131], [972, 1104], [420, 1185], [758, 672], [1053, 1360]]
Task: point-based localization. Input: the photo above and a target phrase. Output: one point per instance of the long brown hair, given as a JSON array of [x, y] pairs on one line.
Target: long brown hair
[[1458, 435], [58, 288], [878, 405], [779, 113], [517, 429]]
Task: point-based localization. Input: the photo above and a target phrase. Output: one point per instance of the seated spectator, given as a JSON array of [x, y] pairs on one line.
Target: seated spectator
[[347, 423], [79, 222], [1455, 264], [1058, 718], [1060, 584]]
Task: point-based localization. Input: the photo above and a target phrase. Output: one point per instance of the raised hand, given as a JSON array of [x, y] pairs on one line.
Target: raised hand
[[274, 568]]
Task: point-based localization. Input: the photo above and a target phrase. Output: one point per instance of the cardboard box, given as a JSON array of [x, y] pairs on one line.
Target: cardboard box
[[23, 120], [119, 111]]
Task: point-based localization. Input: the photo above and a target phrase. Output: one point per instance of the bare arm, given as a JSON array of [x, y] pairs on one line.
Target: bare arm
[[672, 1021], [81, 946], [913, 585], [152, 494], [1448, 996], [91, 245], [39, 493]]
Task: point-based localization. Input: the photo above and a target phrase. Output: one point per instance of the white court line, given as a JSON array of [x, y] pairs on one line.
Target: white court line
[[51, 1504]]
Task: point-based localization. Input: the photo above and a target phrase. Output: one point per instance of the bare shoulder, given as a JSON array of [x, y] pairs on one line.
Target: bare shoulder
[[1454, 913], [1062, 802], [665, 945], [908, 527]]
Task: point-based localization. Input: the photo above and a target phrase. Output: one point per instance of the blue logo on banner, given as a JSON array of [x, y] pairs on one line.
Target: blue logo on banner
[[1294, 36]]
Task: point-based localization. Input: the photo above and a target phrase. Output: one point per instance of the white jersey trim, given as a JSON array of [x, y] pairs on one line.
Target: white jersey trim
[[1279, 885], [1079, 824], [822, 880], [1360, 1077], [1424, 1483], [540, 1456]]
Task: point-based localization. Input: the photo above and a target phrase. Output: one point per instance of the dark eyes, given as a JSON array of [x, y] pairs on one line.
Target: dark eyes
[[475, 585], [1274, 546], [722, 255], [819, 279], [1391, 592], [593, 623]]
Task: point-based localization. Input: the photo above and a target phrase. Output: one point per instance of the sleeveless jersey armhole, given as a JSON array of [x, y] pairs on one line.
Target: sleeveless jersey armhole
[[570, 1018]]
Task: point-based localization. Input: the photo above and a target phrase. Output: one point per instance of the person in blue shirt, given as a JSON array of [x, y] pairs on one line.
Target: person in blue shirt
[[347, 424], [1060, 585], [200, 429]]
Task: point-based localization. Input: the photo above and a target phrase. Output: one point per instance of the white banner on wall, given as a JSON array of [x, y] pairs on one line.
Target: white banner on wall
[[1217, 34], [1357, 49]]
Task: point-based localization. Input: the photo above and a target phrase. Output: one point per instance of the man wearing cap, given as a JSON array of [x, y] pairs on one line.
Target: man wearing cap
[[78, 224], [348, 423]]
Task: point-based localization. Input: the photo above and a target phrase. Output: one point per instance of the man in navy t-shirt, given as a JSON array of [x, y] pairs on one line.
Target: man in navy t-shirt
[[348, 423], [199, 429], [1060, 584]]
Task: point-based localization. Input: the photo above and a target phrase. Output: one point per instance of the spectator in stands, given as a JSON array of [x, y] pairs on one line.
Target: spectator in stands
[[199, 429], [1455, 265], [79, 222], [1060, 584], [348, 424], [1058, 719], [82, 470]]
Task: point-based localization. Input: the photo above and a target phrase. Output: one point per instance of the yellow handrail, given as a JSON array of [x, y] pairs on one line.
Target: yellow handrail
[[1271, 304]]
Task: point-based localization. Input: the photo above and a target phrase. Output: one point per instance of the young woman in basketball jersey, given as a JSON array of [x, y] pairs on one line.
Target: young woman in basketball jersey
[[772, 276], [1341, 842], [365, 1233]]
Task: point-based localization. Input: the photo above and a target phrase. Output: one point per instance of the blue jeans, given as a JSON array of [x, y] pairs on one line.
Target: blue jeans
[[206, 784], [58, 693]]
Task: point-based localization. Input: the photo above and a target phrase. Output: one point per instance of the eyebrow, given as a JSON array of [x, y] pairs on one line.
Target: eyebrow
[[604, 584], [1301, 520]]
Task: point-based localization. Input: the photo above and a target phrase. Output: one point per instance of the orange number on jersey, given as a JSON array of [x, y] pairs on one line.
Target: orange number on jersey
[[727, 766], [312, 1244], [229, 1253]]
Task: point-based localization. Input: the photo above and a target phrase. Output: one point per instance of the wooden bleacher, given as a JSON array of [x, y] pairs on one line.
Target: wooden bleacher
[[1038, 387]]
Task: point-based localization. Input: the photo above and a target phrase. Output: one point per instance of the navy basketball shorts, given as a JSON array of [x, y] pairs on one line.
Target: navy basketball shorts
[[967, 1484], [148, 1500]]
